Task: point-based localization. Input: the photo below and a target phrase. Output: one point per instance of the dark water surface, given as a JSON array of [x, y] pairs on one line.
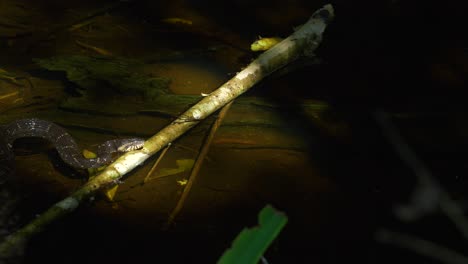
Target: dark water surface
[[334, 175]]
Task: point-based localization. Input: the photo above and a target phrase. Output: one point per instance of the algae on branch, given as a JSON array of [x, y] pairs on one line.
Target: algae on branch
[[122, 74]]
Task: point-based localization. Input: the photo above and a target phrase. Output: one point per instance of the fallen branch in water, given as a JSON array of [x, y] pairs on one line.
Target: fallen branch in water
[[301, 43]]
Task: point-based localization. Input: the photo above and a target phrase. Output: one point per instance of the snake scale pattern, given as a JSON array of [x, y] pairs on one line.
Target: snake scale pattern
[[64, 143]]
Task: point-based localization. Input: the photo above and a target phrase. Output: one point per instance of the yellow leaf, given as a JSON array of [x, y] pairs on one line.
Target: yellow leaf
[[265, 43], [89, 154], [182, 182], [110, 193]]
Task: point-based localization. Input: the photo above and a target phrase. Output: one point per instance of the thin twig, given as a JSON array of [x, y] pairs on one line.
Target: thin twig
[[197, 165], [155, 165]]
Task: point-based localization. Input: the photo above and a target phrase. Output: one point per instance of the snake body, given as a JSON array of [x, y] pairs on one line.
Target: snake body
[[64, 143]]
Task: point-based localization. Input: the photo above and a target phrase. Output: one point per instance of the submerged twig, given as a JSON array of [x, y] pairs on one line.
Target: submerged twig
[[198, 163], [155, 165], [97, 50]]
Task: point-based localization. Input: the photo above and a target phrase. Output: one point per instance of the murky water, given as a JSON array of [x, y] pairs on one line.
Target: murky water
[[323, 163]]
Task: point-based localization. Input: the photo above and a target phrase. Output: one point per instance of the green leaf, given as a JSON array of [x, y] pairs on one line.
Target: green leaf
[[251, 243]]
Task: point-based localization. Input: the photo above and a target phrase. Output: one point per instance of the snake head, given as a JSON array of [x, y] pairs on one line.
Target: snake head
[[130, 144]]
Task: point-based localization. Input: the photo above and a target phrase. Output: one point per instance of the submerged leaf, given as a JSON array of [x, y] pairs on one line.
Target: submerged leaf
[[182, 182], [182, 165]]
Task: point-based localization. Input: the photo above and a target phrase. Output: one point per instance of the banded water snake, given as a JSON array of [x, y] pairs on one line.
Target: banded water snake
[[64, 143]]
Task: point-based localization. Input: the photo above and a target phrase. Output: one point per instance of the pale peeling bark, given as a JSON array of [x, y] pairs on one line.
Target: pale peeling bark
[[301, 43]]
